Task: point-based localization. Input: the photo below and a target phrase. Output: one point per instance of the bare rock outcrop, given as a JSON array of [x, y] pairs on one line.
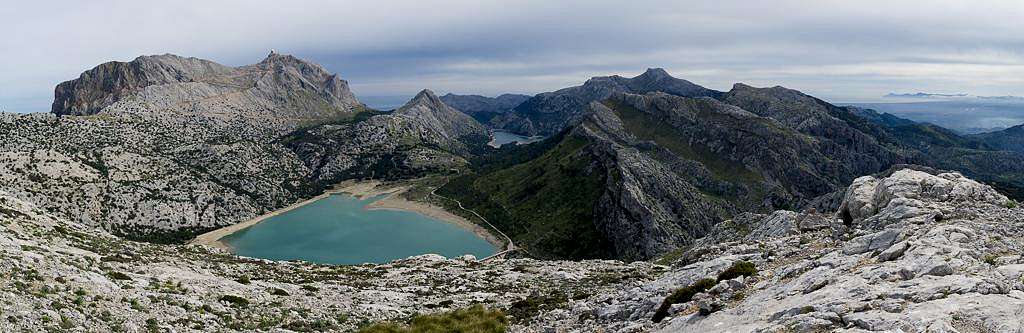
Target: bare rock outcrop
[[911, 273]]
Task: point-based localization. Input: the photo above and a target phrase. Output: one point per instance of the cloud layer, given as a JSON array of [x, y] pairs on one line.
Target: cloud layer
[[840, 50]]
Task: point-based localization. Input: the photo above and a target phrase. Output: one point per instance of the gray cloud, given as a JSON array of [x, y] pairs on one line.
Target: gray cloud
[[841, 50]]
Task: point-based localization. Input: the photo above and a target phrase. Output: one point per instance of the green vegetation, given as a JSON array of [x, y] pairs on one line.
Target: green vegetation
[[991, 259], [544, 200], [534, 304], [148, 234], [739, 268], [648, 127], [685, 294], [234, 300], [682, 295], [475, 319], [118, 276]]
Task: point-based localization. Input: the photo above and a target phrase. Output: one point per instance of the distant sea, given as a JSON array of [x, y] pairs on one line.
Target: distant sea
[[964, 116], [384, 103], [26, 105]]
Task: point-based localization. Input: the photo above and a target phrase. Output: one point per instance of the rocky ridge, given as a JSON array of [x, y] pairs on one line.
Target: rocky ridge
[[482, 108], [549, 113], [909, 252], [281, 90]]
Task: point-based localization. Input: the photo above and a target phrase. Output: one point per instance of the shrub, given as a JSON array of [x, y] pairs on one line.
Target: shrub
[[1011, 204], [990, 259], [244, 280], [278, 292], [475, 319], [682, 295], [118, 276], [234, 300], [739, 268], [534, 304]]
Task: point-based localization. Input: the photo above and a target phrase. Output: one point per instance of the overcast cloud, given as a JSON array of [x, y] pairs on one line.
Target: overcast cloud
[[838, 50]]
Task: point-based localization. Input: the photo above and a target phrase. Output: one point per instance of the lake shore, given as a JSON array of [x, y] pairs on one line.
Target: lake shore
[[396, 202], [361, 189]]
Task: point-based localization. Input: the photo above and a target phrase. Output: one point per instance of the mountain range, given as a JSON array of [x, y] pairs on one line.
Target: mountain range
[[650, 198]]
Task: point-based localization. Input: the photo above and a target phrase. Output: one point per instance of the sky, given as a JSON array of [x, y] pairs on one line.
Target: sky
[[842, 51]]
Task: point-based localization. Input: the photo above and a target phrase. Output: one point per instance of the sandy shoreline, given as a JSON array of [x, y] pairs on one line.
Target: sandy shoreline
[[359, 189]]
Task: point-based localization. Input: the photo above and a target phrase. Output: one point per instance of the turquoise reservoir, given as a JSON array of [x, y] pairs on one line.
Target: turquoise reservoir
[[499, 138], [339, 229]]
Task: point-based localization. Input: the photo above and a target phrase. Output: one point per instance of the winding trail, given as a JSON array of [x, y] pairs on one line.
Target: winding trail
[[509, 245]]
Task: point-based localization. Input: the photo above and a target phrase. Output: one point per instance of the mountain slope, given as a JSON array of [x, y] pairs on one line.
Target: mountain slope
[[1011, 139], [165, 161], [281, 90], [61, 275], [921, 252], [424, 135], [669, 167], [481, 108], [549, 113], [673, 167]]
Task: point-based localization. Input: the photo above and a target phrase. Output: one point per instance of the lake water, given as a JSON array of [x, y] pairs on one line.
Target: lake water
[[499, 138], [339, 229]]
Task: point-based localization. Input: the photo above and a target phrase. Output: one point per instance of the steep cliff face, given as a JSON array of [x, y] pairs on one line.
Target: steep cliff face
[[107, 83], [549, 113], [281, 90]]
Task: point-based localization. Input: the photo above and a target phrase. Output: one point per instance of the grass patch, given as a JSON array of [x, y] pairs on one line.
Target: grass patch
[[475, 319], [685, 294], [990, 259], [119, 276], [682, 295], [739, 268], [532, 305], [234, 300]]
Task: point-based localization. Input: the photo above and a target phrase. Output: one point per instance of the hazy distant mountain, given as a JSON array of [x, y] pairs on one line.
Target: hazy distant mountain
[[923, 95], [482, 108], [549, 113], [968, 115], [1008, 139]]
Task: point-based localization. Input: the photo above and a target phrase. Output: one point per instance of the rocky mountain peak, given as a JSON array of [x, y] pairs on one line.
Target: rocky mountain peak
[[426, 97], [169, 83], [655, 74]]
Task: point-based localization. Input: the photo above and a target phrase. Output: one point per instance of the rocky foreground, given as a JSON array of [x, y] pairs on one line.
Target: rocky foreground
[[911, 251]]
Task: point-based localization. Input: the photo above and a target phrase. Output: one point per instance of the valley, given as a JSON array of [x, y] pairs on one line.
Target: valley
[[629, 205]]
